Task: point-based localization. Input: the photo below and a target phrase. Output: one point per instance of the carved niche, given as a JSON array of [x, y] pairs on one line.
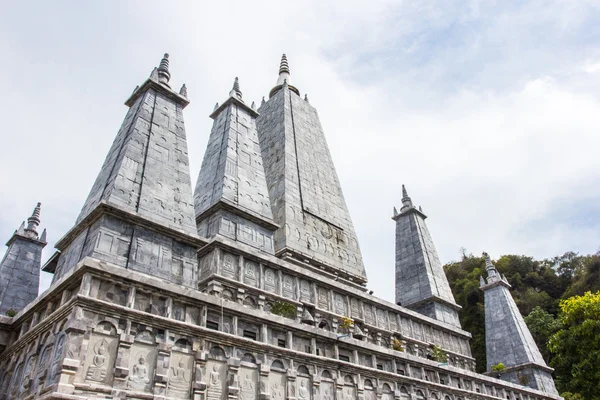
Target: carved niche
[[323, 298], [101, 354], [288, 287], [57, 357], [304, 384], [369, 390], [248, 378], [387, 392], [180, 375], [229, 267], [277, 386], [305, 294], [142, 360], [349, 389], [270, 280], [340, 304], [327, 386], [251, 273]]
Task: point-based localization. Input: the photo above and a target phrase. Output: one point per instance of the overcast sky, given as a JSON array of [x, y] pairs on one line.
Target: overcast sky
[[489, 111]]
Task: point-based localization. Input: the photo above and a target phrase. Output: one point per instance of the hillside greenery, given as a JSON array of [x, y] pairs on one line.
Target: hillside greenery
[[552, 295]]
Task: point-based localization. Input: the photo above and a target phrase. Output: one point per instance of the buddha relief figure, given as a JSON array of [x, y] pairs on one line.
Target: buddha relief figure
[[97, 370], [303, 391], [215, 387], [139, 375], [179, 380], [248, 389], [327, 395], [276, 391]]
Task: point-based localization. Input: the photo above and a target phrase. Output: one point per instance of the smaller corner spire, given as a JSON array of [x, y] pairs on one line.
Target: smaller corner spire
[[163, 70], [306, 98], [34, 221], [253, 106], [235, 91], [183, 91]]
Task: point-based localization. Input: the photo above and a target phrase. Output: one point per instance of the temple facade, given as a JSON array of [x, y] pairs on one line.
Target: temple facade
[[250, 287]]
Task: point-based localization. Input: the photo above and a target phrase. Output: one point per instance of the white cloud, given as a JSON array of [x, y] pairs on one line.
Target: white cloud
[[485, 112]]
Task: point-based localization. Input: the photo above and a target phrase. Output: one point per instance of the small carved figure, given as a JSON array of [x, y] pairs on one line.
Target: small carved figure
[[303, 391], [97, 370], [214, 384], [139, 378], [179, 380]]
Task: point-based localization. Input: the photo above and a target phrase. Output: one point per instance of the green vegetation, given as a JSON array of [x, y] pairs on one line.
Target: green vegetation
[[11, 312], [575, 347], [284, 309], [542, 290], [345, 324], [500, 368], [439, 355], [397, 344]]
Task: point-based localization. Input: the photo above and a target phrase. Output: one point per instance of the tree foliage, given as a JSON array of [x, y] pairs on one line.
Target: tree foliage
[[576, 346], [538, 286]]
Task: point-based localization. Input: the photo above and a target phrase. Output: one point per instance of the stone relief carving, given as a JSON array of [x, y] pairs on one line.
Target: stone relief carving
[[323, 302], [28, 374], [381, 317], [354, 307], [250, 272], [304, 385], [216, 383], [180, 376], [277, 386], [340, 304], [288, 286], [229, 268], [248, 383], [42, 369], [57, 357], [270, 282], [305, 291], [369, 318], [141, 367], [327, 390], [97, 370]]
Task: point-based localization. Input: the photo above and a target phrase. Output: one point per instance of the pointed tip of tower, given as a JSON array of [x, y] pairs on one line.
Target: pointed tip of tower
[[21, 229], [34, 221], [404, 192], [183, 91], [235, 91], [406, 200], [395, 212], [306, 98], [283, 65], [216, 106], [43, 236], [253, 106], [163, 70], [262, 101]]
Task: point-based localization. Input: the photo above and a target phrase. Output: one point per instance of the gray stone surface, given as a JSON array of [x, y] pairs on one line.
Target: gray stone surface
[[305, 193], [145, 180], [507, 337], [421, 283], [232, 178], [20, 267]]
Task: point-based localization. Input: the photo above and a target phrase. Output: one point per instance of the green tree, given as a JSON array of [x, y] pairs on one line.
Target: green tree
[[576, 347], [542, 326]]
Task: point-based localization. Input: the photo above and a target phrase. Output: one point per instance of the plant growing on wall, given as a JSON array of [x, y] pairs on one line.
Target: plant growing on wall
[[397, 344], [523, 379], [11, 312], [500, 368], [438, 354], [284, 309], [345, 324]]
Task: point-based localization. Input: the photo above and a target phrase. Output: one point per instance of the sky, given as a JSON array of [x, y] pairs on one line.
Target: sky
[[488, 112]]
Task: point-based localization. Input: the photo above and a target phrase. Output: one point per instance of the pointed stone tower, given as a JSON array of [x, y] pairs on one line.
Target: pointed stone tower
[[231, 197], [421, 283], [306, 198], [507, 338], [20, 267], [139, 213]]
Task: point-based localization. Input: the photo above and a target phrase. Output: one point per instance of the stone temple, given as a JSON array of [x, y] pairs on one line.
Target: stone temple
[[250, 287]]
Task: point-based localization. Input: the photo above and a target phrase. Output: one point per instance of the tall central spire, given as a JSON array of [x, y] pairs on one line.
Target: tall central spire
[[283, 78], [305, 193]]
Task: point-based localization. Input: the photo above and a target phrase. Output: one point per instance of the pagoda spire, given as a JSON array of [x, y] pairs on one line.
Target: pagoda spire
[[145, 181], [20, 267], [507, 337], [283, 78], [421, 283]]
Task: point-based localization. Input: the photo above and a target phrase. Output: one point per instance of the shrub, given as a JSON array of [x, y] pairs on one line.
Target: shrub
[[284, 309]]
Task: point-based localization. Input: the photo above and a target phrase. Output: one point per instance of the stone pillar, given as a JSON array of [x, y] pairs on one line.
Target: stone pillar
[[130, 297], [122, 361], [199, 387], [86, 284], [264, 382], [233, 386], [161, 372]]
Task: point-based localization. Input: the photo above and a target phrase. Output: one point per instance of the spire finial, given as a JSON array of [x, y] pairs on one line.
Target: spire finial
[[489, 267], [235, 91], [283, 65], [306, 98], [263, 101], [253, 106], [163, 70], [34, 221], [406, 201]]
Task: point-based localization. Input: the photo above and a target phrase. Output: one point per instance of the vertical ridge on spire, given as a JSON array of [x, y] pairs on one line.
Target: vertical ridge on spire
[[163, 70]]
